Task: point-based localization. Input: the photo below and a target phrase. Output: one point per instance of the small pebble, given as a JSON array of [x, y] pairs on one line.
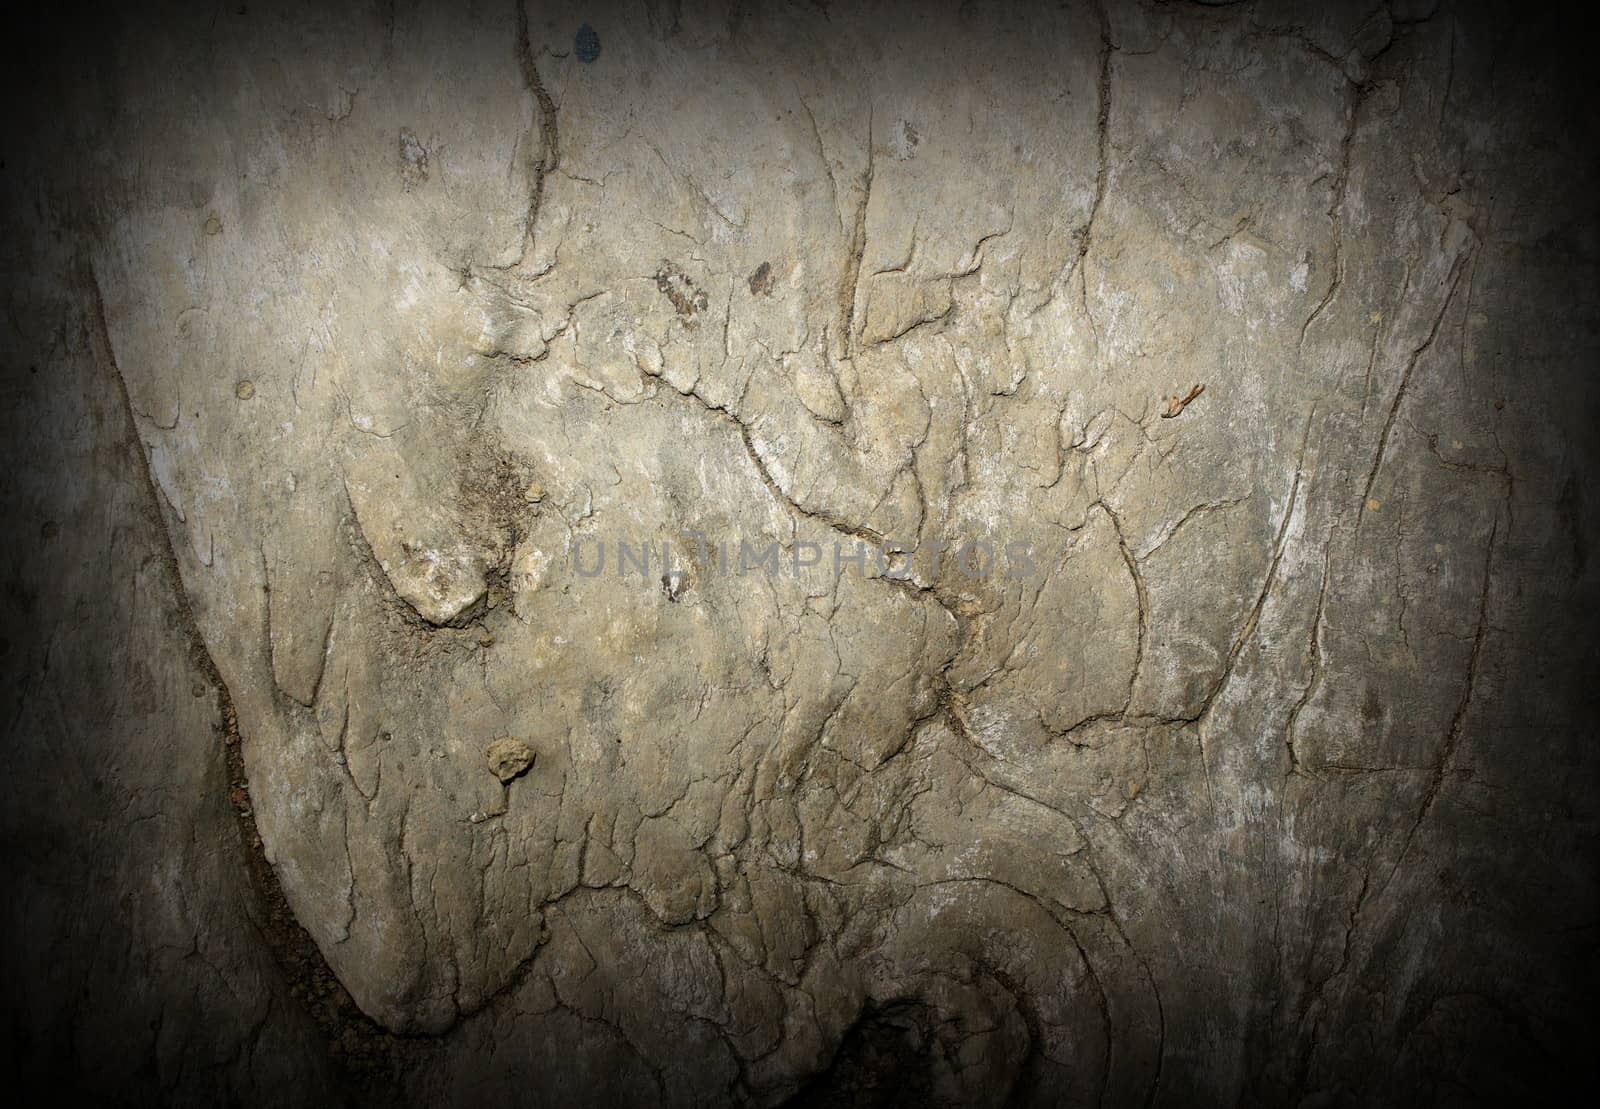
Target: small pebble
[[245, 389], [508, 757]]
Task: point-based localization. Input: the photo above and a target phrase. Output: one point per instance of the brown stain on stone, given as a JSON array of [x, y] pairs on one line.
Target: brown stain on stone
[[761, 280], [687, 300]]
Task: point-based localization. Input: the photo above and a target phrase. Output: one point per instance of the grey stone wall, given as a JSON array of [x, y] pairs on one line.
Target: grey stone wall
[[1215, 730]]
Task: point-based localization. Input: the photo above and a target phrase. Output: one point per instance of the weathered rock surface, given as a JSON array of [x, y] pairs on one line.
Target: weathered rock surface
[[340, 341]]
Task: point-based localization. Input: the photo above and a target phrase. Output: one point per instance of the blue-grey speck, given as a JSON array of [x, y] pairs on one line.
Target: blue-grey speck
[[587, 44]]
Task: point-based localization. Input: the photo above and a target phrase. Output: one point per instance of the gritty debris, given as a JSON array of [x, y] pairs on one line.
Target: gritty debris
[[686, 299], [509, 757], [413, 160]]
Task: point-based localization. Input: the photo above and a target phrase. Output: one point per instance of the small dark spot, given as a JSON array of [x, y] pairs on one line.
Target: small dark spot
[[761, 280], [49, 529], [675, 285], [1371, 709], [586, 44], [674, 584]]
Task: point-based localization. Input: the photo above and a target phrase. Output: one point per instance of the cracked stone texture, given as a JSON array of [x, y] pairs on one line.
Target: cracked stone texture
[[330, 334]]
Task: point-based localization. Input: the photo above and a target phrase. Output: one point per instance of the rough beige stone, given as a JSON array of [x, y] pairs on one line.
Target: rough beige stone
[[360, 330]]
